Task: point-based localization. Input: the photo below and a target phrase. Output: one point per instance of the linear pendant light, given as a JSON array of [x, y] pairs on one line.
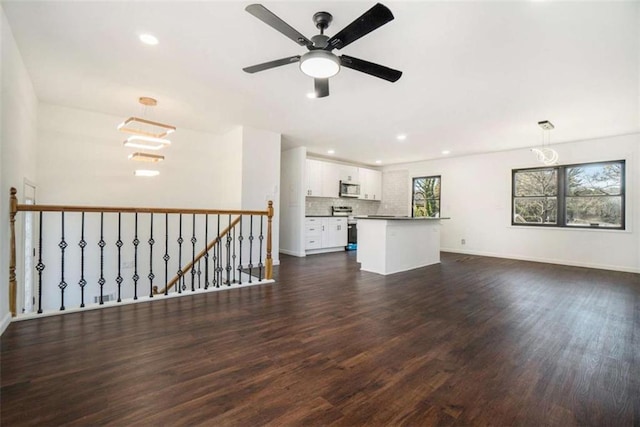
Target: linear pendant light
[[146, 172], [144, 127], [146, 157], [146, 142]]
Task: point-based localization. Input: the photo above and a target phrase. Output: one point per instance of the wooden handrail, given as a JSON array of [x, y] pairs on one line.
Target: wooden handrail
[[191, 263], [113, 209], [15, 207]]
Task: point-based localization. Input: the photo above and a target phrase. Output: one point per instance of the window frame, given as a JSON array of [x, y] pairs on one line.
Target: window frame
[[561, 195], [413, 194]]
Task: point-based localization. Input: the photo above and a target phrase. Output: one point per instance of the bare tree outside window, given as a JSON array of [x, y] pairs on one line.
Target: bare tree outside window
[[426, 197], [585, 195]]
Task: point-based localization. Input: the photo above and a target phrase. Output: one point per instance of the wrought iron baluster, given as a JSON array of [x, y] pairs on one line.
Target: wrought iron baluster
[[166, 256], [199, 273], [193, 252], [228, 247], [62, 245], [250, 249], [180, 284], [136, 242], [151, 276], [206, 254], [119, 246], [240, 238], [233, 257], [101, 244], [40, 265], [260, 238], [83, 244], [217, 258]]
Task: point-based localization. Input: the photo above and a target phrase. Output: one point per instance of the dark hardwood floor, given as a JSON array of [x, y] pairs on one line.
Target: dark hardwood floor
[[472, 341]]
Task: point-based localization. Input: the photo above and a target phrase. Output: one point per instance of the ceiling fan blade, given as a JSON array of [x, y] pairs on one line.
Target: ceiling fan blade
[[370, 68], [373, 18], [269, 18], [272, 64], [321, 87]]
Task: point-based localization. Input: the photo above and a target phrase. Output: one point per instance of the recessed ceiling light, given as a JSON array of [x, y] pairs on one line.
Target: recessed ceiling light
[[401, 137], [148, 39], [378, 162], [311, 95], [145, 172], [331, 151], [445, 152]]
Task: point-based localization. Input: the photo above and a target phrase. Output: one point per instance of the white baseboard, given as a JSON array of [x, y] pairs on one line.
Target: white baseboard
[[142, 299], [544, 260], [5, 322], [292, 253], [325, 250]]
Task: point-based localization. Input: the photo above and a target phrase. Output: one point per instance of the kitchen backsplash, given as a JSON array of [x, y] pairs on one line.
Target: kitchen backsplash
[[396, 193], [322, 205]]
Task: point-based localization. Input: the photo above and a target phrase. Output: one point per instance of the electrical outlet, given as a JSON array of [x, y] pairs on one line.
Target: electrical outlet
[[463, 241]]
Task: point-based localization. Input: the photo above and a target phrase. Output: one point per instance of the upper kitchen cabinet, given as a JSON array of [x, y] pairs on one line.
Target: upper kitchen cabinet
[[323, 178], [349, 174], [313, 171], [370, 184]]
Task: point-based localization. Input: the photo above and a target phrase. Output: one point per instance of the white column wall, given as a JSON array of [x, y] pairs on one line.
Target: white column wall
[[17, 146], [476, 194], [292, 198], [261, 177]]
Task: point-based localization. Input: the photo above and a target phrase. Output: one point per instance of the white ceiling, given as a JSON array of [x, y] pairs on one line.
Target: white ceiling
[[477, 75]]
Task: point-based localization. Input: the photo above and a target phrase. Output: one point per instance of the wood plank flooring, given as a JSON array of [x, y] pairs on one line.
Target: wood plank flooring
[[472, 341]]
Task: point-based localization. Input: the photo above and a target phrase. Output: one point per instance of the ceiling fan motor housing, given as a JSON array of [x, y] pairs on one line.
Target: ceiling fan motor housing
[[320, 41], [322, 20]]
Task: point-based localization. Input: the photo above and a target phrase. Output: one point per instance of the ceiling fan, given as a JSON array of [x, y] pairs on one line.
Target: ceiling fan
[[320, 63]]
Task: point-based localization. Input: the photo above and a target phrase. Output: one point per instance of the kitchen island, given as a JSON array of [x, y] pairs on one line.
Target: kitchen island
[[389, 244]]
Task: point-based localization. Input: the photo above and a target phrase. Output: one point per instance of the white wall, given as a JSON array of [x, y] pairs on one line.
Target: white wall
[[81, 160], [476, 194], [292, 200], [17, 145], [261, 177]]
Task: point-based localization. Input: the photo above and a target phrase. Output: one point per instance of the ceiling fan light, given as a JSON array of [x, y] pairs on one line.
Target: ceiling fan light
[[319, 64]]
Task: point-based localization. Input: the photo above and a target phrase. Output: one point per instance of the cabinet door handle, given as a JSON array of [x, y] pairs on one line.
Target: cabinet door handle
[[323, 228]]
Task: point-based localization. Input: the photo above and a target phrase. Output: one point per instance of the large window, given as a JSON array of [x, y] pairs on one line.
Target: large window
[[426, 197], [585, 195]]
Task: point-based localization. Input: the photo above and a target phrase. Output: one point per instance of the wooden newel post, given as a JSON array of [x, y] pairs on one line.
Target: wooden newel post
[[269, 262], [13, 209]]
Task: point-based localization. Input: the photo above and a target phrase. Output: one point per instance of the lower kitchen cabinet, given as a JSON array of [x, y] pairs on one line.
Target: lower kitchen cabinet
[[325, 234]]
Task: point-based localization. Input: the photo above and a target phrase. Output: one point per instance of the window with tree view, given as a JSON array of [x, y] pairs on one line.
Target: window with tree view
[[426, 197], [585, 195]]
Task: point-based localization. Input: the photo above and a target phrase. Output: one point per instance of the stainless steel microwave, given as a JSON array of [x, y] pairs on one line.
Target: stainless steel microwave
[[349, 189]]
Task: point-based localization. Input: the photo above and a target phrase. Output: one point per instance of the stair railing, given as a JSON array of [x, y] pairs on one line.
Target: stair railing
[[110, 240]]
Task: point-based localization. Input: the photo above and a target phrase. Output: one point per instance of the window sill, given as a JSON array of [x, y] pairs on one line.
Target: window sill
[[587, 229]]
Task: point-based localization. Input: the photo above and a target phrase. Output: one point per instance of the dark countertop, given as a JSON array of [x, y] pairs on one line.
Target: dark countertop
[[324, 216], [397, 218]]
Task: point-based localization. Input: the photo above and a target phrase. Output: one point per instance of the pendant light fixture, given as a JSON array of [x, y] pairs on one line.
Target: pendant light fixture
[[545, 154], [146, 135]]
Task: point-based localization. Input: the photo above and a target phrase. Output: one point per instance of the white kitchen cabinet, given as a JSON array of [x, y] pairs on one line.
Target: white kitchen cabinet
[[336, 233], [370, 184], [313, 172], [323, 178], [330, 179], [325, 234], [349, 174]]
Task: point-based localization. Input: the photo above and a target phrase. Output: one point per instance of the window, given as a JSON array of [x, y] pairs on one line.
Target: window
[[585, 195], [426, 197]]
